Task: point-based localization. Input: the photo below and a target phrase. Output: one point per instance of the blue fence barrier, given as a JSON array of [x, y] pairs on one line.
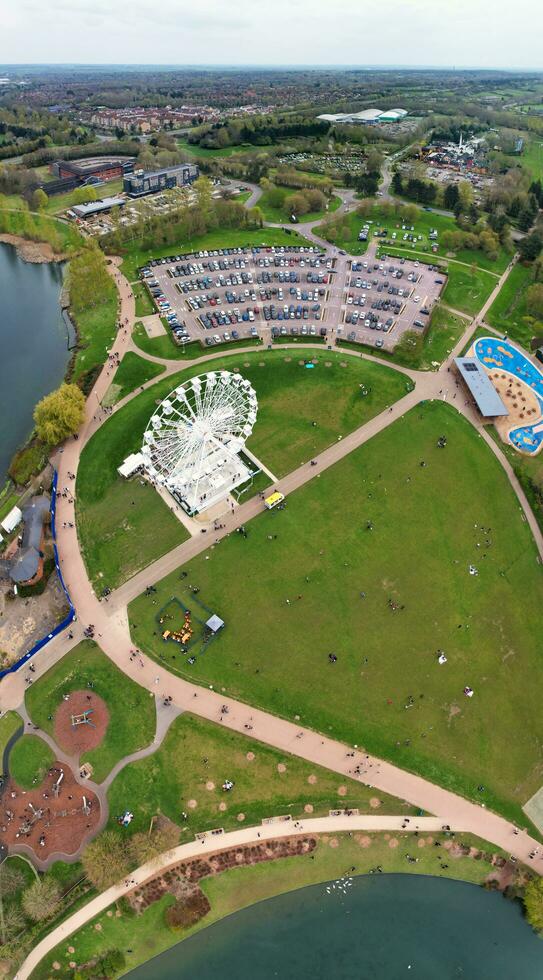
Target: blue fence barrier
[[71, 615]]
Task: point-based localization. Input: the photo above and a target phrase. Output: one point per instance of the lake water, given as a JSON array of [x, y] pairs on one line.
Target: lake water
[[387, 927], [33, 345]]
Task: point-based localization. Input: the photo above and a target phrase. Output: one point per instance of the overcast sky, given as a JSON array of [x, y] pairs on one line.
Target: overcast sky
[[486, 33]]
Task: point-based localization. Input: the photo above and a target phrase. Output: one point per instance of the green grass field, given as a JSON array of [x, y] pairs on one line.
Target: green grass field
[[467, 289], [123, 526], [508, 312], [386, 690], [144, 303], [135, 256], [240, 887], [96, 328], [529, 470], [132, 715], [279, 213], [203, 152], [133, 371], [29, 761], [532, 158], [162, 346], [166, 781], [10, 722]]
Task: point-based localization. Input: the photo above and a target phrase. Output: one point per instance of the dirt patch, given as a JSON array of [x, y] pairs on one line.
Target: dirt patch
[[312, 779], [393, 843], [38, 252], [25, 621], [308, 808], [81, 738], [342, 791], [375, 802], [281, 767], [61, 823], [250, 756], [364, 840]]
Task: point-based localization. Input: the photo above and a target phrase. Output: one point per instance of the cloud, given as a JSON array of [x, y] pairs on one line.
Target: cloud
[[359, 32]]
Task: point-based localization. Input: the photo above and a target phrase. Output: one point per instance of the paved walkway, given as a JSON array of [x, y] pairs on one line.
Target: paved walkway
[[112, 633], [207, 847]]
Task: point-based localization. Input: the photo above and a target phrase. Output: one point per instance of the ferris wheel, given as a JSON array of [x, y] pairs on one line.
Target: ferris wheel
[[192, 441]]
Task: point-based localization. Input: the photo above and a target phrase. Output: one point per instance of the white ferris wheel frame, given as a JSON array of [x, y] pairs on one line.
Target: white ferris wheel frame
[[193, 439]]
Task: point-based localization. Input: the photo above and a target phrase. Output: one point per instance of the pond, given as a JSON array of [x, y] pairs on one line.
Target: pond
[[34, 345], [382, 927]]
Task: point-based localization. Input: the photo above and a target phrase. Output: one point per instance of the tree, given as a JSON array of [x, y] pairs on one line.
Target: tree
[[315, 199], [397, 183], [255, 217], [530, 247], [106, 859], [533, 903], [534, 300], [450, 197], [145, 847], [41, 900], [204, 191], [82, 195], [11, 880], [296, 204], [39, 200], [60, 414]]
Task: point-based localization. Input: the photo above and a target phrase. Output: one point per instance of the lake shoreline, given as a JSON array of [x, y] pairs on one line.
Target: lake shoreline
[[37, 253]]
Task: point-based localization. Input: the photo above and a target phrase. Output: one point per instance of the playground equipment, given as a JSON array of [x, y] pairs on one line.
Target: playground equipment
[[192, 442], [180, 636], [56, 785], [83, 719]]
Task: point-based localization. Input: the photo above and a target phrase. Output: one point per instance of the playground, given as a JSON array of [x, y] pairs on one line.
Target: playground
[[520, 384], [125, 724], [81, 722], [54, 816]]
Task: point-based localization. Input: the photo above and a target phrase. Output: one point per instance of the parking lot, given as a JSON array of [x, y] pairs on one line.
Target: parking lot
[[230, 294], [385, 297]]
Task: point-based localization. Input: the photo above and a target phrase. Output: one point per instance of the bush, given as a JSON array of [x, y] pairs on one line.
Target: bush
[[187, 911], [28, 462]]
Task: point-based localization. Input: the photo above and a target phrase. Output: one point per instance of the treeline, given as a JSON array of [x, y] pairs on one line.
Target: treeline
[[47, 154], [258, 130], [38, 228], [190, 220]]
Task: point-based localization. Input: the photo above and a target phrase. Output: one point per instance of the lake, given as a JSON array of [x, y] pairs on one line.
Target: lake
[[34, 345], [385, 927]]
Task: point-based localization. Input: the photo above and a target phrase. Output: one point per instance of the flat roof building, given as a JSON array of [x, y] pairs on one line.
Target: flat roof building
[[140, 183], [95, 207], [480, 387], [93, 168]]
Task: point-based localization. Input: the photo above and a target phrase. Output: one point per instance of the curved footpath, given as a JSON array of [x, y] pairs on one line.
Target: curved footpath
[[111, 622], [207, 847]]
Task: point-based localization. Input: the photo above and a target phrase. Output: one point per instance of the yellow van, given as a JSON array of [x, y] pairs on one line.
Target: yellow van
[[274, 499]]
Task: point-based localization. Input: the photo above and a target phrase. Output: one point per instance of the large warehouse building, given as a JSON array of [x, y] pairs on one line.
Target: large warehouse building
[[366, 117], [140, 183]]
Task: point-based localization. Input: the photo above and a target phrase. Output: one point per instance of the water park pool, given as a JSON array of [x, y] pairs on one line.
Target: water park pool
[[495, 353]]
